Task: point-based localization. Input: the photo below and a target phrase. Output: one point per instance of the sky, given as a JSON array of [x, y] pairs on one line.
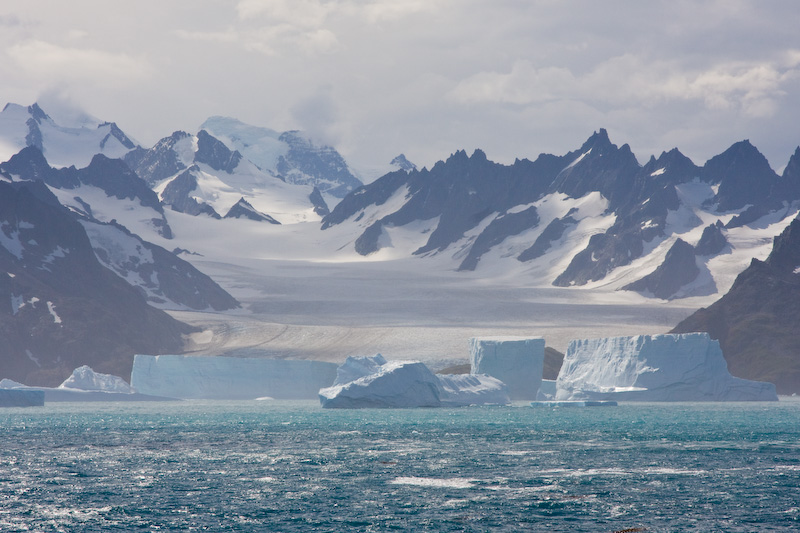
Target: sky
[[375, 78]]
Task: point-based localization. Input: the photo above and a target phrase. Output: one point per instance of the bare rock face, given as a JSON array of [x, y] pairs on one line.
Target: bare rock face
[[63, 308], [678, 269]]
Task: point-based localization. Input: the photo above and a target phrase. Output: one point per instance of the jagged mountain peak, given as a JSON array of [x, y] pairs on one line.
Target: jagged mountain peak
[[597, 140], [743, 174], [785, 255], [29, 161], [403, 163], [64, 144], [215, 154]]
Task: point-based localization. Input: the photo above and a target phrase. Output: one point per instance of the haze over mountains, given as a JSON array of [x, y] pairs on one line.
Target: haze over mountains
[[594, 219]]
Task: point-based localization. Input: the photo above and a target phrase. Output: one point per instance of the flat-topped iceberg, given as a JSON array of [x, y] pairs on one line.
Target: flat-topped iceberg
[[21, 397], [686, 367], [364, 382], [230, 378], [516, 361], [84, 385]]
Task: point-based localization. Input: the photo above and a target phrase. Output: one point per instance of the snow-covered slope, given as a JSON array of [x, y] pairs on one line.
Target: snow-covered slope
[[291, 155], [62, 145], [594, 217], [200, 175]]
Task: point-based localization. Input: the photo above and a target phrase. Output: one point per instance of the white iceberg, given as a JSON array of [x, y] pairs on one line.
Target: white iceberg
[[84, 385], [364, 382], [230, 378], [20, 397], [84, 378], [516, 361], [686, 367]]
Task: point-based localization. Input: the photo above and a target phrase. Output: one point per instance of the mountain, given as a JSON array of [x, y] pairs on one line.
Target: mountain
[[201, 175], [64, 308], [105, 188], [757, 321], [165, 280], [62, 145], [290, 155], [592, 216], [243, 209]]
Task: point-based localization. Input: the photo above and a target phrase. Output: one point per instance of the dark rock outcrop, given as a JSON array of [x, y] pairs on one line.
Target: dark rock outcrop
[[322, 167], [178, 195], [678, 269], [215, 154], [320, 206], [159, 162], [63, 308], [554, 231], [243, 209], [757, 321], [713, 241]]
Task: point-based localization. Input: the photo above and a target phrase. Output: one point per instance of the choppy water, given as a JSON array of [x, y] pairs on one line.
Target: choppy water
[[275, 466]]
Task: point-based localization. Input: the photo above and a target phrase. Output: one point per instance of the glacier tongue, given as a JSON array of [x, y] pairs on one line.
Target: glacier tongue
[[364, 382], [686, 367], [233, 378]]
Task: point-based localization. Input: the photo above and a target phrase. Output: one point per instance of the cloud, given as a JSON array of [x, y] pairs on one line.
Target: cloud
[[10, 21], [318, 116], [52, 62], [753, 87], [228, 35]]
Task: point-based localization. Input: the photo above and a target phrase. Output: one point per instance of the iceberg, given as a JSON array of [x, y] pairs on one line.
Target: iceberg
[[84, 385], [685, 367], [230, 378], [10, 397], [364, 382], [84, 378], [516, 361]]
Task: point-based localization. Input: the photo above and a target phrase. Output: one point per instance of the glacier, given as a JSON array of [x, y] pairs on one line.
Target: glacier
[[230, 378], [516, 361], [684, 367], [372, 382]]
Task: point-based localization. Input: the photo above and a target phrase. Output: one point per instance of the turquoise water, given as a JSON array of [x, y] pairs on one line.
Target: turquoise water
[[279, 466]]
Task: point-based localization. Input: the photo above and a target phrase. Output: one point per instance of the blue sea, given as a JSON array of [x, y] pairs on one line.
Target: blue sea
[[292, 466]]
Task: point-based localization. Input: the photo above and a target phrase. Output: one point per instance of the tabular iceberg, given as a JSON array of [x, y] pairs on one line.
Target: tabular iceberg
[[516, 361], [686, 367], [21, 398], [230, 378], [364, 382], [84, 385]]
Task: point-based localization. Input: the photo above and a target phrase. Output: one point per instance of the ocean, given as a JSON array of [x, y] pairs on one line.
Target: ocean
[[292, 466]]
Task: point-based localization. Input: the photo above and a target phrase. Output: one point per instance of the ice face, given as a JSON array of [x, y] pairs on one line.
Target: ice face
[[394, 384], [516, 361], [472, 389], [357, 367], [232, 378], [84, 378], [365, 382], [687, 367]]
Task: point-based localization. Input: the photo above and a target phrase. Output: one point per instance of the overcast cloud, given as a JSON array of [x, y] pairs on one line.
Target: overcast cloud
[[422, 77]]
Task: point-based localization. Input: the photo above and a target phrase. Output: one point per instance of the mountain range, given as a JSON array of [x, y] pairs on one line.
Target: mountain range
[[591, 218]]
